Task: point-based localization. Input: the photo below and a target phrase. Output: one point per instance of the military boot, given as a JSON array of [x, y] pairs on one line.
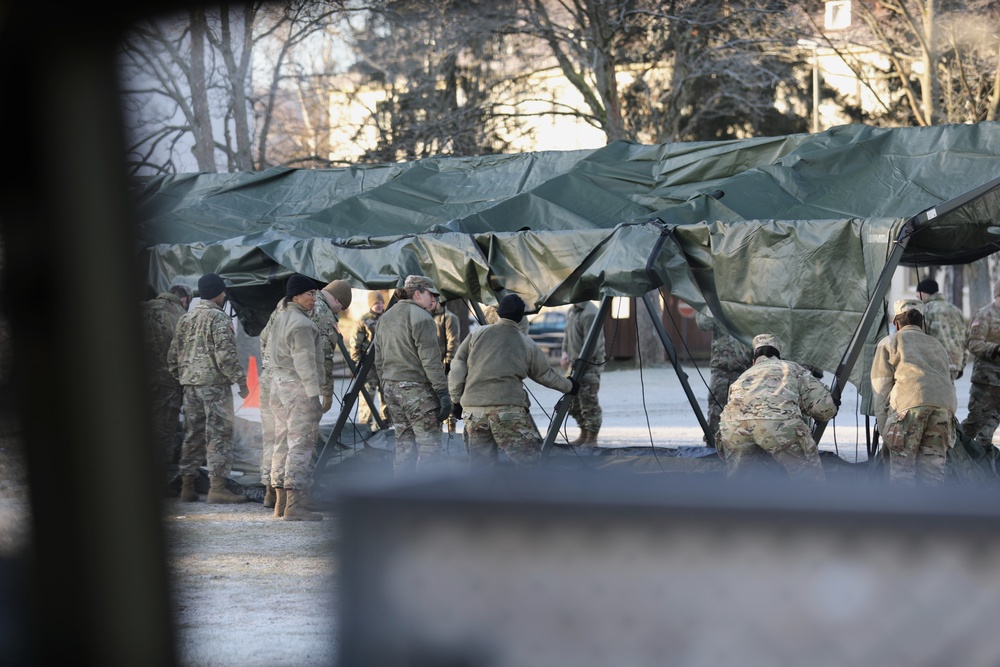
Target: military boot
[[188, 492], [218, 494], [590, 440], [582, 440], [296, 510], [280, 499], [269, 496]]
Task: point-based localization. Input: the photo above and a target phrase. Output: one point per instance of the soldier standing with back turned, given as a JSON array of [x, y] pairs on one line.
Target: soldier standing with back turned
[[585, 408], [984, 396], [945, 322]]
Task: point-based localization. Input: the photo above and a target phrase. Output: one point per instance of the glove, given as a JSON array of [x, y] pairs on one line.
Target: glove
[[244, 390], [836, 400], [817, 373], [445, 408], [960, 371], [456, 410], [327, 403], [447, 367], [576, 387]]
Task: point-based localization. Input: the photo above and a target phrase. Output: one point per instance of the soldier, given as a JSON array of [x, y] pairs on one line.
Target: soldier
[[486, 390], [159, 322], [914, 398], [408, 361], [984, 395], [203, 358], [945, 322], [585, 408], [295, 352], [765, 416], [448, 332], [729, 359], [363, 336]]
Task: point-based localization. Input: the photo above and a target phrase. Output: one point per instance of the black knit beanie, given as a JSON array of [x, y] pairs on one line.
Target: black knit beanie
[[511, 308], [211, 285], [298, 284]]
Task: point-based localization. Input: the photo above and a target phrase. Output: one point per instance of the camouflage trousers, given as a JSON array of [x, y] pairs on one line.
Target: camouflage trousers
[[984, 414], [296, 432], [208, 430], [266, 428], [364, 410], [413, 408], [918, 441], [507, 427], [166, 404], [584, 408], [752, 443], [718, 397]]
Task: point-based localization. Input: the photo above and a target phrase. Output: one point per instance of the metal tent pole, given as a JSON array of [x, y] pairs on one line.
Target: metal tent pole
[[562, 405]]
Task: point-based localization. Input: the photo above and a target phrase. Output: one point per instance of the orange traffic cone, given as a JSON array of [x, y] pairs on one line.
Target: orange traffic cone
[[253, 384]]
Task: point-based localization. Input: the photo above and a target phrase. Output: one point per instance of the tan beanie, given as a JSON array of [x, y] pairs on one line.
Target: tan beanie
[[341, 290], [375, 297]]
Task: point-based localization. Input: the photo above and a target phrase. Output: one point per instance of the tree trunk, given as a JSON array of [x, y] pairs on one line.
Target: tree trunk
[[980, 284], [201, 128]]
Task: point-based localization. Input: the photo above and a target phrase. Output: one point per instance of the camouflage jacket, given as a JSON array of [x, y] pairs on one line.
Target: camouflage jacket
[[295, 349], [326, 322], [159, 322], [447, 332], [406, 348], [728, 353], [910, 369], [778, 389], [984, 345], [363, 336], [579, 318], [944, 321], [203, 351], [492, 363]]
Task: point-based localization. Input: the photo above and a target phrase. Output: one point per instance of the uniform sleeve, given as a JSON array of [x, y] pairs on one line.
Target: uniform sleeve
[[882, 379], [979, 331], [816, 399], [224, 344], [459, 372], [359, 341], [429, 352], [451, 336], [307, 366], [539, 369], [172, 366]]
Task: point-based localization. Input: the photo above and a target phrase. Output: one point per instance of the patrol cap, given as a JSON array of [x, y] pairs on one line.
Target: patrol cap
[[211, 285], [904, 305], [340, 290], [767, 339], [421, 282], [375, 297]]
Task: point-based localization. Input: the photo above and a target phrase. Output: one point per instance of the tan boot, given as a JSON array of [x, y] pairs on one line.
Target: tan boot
[[584, 438], [269, 496], [280, 499], [296, 510], [218, 494], [590, 440], [188, 493]]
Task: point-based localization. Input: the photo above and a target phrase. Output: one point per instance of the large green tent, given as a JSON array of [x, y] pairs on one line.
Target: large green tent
[[783, 234]]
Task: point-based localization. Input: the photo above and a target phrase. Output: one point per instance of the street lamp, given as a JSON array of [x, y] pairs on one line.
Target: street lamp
[[808, 43]]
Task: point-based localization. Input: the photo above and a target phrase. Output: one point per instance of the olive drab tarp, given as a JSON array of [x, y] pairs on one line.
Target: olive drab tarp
[[780, 234]]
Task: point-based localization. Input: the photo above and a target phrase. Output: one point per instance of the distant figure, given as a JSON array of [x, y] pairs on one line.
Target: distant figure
[[448, 331], [585, 408], [203, 358], [362, 339], [765, 417], [984, 396], [408, 360], [159, 323], [295, 360], [486, 388], [914, 398], [945, 322], [730, 358]]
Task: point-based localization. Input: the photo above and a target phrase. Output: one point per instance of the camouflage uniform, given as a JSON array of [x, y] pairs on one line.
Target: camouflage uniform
[[486, 379], [915, 403], [944, 321], [408, 361], [984, 395], [730, 359], [448, 333], [363, 336], [159, 322], [766, 413], [203, 358], [295, 352], [584, 408]]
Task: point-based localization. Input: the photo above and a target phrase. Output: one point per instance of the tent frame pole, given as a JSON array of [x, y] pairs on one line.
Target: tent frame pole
[[873, 311], [579, 365], [675, 362]]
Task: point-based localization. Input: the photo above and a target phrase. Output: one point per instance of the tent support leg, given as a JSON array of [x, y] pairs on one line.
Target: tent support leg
[[562, 405], [873, 311], [364, 390], [681, 375]]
